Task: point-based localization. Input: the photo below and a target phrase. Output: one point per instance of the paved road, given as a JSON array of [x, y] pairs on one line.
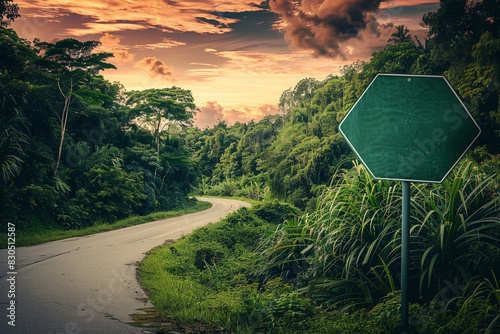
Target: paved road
[[88, 284]]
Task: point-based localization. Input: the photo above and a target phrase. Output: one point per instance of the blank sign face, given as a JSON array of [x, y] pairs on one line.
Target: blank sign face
[[409, 128]]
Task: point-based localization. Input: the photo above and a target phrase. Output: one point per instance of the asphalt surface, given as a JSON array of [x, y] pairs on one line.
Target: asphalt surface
[[88, 284]]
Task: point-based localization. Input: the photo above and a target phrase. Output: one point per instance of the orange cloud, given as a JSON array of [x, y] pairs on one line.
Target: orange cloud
[[110, 40], [239, 62], [156, 68], [256, 62], [212, 112], [123, 56], [98, 28], [113, 15], [164, 44], [111, 43], [399, 3], [209, 114]]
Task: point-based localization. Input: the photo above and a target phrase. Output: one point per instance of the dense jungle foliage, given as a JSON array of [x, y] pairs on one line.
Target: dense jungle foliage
[[293, 156], [77, 150], [335, 267], [68, 135]]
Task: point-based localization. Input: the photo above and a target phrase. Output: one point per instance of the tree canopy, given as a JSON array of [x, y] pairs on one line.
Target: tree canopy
[[8, 12], [59, 114], [160, 109]]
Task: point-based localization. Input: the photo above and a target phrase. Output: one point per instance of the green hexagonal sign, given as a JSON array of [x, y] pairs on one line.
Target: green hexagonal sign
[[409, 128]]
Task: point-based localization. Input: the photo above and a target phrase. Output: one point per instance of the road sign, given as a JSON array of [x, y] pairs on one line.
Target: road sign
[[409, 128]]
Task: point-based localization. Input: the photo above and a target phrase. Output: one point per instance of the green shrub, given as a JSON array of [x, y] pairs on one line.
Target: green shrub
[[35, 206], [276, 307], [252, 187], [477, 309], [276, 212], [347, 253], [242, 227], [208, 255], [336, 270], [103, 190]]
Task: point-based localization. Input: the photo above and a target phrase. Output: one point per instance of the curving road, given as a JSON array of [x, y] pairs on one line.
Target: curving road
[[88, 284]]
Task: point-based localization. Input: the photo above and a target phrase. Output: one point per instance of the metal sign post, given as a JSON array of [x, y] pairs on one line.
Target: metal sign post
[[405, 255]]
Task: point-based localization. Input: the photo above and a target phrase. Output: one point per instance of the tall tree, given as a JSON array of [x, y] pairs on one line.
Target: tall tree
[[15, 52], [8, 12], [457, 25], [286, 101], [71, 63], [401, 35], [465, 40], [159, 109], [302, 93]]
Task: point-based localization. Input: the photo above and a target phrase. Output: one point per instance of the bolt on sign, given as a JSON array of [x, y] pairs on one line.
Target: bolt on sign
[[409, 128]]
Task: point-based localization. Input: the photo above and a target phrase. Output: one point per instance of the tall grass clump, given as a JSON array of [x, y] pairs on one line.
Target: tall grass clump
[[347, 253], [455, 231]]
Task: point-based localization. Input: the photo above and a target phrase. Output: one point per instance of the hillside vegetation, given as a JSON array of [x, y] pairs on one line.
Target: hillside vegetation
[[335, 266], [321, 252]]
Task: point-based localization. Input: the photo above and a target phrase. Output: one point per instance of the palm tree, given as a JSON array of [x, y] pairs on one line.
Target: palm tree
[[401, 35]]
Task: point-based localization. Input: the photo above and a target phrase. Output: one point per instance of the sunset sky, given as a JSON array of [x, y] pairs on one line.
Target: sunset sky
[[236, 57]]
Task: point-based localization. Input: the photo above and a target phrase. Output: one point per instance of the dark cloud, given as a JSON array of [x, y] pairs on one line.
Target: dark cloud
[[323, 25], [156, 68], [213, 22], [262, 5]]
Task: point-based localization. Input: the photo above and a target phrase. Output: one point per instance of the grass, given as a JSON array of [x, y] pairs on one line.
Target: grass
[[222, 297], [38, 236], [336, 270], [199, 279], [352, 242], [168, 273]]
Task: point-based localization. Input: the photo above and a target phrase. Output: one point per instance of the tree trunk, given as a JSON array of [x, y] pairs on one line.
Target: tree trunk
[[157, 135], [64, 121]]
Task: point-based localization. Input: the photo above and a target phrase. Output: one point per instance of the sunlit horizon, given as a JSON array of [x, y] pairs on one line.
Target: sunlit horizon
[[236, 58]]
